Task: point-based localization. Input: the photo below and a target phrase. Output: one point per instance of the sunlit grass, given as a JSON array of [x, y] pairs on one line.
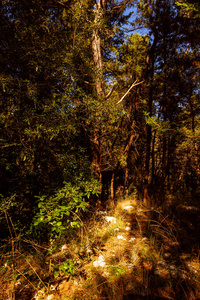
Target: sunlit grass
[[137, 252]]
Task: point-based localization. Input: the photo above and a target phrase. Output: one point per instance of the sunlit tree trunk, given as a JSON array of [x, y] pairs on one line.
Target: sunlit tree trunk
[[98, 64], [112, 187]]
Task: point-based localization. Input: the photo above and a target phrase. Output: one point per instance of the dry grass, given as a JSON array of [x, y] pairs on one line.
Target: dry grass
[[141, 253]]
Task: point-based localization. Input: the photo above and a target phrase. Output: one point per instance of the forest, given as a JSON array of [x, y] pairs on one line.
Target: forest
[[99, 104]]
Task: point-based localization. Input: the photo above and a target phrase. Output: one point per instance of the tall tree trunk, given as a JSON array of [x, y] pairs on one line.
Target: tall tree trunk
[[96, 49], [150, 76], [194, 156], [146, 198], [150, 61], [164, 146], [153, 160], [164, 154], [98, 63]]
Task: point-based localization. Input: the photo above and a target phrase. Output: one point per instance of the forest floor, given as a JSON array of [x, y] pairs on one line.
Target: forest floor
[[121, 253]]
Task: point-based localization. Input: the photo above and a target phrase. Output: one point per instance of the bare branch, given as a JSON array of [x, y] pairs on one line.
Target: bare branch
[[133, 85], [187, 50], [9, 145], [111, 91]]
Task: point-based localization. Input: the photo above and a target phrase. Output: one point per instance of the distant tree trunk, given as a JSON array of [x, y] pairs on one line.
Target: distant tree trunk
[[164, 152], [112, 188], [146, 199], [126, 180], [153, 160], [119, 165], [164, 147], [194, 157], [150, 61]]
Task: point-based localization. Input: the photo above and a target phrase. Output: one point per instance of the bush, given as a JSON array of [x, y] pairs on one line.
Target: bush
[[60, 211]]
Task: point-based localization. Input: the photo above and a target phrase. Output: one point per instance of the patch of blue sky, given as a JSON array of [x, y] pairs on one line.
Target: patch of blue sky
[[130, 27]]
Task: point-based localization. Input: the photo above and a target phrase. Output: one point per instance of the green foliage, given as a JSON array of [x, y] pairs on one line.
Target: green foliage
[[117, 271], [66, 268], [123, 160], [60, 211], [191, 9], [156, 124]]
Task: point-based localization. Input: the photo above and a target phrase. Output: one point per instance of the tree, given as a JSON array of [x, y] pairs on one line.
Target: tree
[[167, 64], [52, 109], [42, 145], [106, 15], [189, 8]]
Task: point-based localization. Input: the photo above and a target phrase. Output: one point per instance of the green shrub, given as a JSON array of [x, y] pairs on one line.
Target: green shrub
[[60, 211]]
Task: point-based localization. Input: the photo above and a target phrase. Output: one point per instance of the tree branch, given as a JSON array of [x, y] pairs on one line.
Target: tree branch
[[111, 91], [133, 85]]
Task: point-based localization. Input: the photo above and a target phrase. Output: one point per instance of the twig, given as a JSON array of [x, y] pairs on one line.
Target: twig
[[133, 85], [20, 273], [138, 225], [111, 91], [14, 144], [84, 227], [35, 272]]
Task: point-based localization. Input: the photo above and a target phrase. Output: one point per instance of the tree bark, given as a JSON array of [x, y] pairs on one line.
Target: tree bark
[[96, 48], [112, 188], [194, 156], [150, 61], [98, 63]]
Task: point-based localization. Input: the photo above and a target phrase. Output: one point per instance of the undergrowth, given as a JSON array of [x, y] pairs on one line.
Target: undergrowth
[[137, 254]]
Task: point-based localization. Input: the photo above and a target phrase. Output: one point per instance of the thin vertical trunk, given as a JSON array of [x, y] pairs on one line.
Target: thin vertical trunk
[[164, 111], [194, 157], [125, 153], [153, 160], [146, 199], [164, 150], [195, 142], [150, 68], [126, 180], [112, 188]]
